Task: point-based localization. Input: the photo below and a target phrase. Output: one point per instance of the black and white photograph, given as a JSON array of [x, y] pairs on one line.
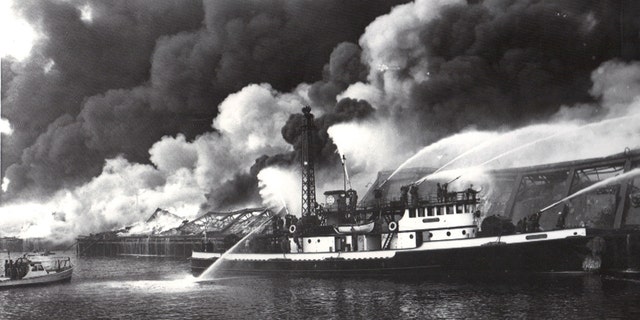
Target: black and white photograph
[[320, 159]]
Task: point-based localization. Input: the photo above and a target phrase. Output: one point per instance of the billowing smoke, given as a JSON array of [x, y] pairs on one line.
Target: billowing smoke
[[608, 126], [114, 81], [127, 106], [442, 67], [489, 64]]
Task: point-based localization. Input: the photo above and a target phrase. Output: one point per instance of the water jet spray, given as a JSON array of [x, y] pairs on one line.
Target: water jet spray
[[605, 182]]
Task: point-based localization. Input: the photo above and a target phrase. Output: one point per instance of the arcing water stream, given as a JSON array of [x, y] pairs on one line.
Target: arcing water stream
[[531, 143], [605, 182], [523, 146], [526, 145], [404, 164], [586, 126], [462, 155], [212, 268]]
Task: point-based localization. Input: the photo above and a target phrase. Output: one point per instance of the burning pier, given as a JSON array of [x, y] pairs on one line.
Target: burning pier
[[213, 228]]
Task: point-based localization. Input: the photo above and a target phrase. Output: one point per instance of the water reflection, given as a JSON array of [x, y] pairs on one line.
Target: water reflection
[[130, 288]]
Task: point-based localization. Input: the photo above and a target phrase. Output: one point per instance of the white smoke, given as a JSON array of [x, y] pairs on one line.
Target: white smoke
[[280, 187], [181, 173], [5, 127], [383, 40]]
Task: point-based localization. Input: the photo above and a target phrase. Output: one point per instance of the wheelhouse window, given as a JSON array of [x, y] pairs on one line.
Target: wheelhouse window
[[440, 211], [431, 212], [421, 212], [459, 209], [412, 213]]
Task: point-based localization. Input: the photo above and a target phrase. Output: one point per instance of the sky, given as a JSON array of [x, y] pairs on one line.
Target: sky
[[111, 109]]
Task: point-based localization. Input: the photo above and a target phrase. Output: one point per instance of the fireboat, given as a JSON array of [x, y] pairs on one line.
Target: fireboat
[[436, 234]]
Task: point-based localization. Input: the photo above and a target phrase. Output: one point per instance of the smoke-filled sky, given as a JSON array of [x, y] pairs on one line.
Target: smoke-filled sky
[[121, 107]]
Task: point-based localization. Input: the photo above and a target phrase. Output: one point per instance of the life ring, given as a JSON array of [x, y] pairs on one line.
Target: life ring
[[393, 226], [292, 228]]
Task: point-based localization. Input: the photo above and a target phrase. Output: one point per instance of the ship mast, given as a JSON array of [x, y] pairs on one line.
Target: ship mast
[[308, 168]]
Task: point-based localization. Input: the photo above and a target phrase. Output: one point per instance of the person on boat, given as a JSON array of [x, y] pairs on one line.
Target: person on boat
[[445, 194], [532, 224], [521, 226], [278, 224], [439, 192], [413, 192], [12, 270], [287, 221], [476, 217], [247, 245], [209, 246], [353, 199], [23, 268], [377, 193], [471, 193], [317, 207], [562, 215], [284, 244], [404, 197]]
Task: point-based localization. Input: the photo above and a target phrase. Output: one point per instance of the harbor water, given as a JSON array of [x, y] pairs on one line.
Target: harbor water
[[162, 288]]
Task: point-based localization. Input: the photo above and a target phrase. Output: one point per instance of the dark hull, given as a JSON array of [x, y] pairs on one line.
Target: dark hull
[[550, 256], [569, 254], [199, 265]]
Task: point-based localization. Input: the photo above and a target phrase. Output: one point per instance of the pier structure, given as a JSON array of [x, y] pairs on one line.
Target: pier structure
[[14, 244], [11, 244], [213, 228]]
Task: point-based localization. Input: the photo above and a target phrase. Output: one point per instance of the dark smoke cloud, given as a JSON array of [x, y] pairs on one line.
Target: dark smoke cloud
[[140, 70], [242, 189], [58, 158], [344, 68], [73, 61], [121, 122], [504, 62], [7, 74], [282, 43], [323, 149]]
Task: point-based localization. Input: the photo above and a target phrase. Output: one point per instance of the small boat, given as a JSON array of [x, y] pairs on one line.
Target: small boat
[[356, 228], [26, 272]]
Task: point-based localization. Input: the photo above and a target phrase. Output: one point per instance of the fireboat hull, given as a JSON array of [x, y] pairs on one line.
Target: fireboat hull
[[570, 250], [200, 261]]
